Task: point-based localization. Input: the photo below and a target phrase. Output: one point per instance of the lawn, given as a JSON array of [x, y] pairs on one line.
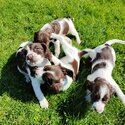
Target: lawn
[[96, 21]]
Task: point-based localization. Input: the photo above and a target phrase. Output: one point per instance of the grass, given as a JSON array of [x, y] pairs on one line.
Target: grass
[[96, 21]]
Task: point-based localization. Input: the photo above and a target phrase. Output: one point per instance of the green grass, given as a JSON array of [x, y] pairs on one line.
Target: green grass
[[96, 21]]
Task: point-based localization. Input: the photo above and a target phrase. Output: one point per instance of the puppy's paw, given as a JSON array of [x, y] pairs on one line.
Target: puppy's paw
[[44, 104], [27, 79]]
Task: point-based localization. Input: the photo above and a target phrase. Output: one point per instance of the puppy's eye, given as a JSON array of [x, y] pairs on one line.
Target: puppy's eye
[[95, 97], [105, 98], [37, 48]]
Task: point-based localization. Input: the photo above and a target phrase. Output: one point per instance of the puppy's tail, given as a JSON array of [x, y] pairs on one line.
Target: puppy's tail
[[110, 42]]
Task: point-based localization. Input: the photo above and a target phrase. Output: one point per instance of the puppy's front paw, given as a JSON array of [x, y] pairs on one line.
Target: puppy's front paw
[[27, 79], [44, 104]]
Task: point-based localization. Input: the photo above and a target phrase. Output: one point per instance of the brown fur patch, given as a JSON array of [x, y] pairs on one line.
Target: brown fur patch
[[105, 54], [95, 86], [55, 26], [53, 81], [75, 68], [41, 37], [98, 66], [66, 27], [56, 69], [81, 53]]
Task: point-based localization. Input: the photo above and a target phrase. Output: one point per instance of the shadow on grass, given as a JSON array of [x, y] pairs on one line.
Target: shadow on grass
[[14, 83], [75, 106]]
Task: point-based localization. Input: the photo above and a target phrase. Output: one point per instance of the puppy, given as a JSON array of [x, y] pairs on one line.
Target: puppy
[[54, 76], [100, 84], [32, 59], [61, 26]]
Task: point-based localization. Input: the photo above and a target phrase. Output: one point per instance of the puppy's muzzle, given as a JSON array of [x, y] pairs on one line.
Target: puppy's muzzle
[[30, 57]]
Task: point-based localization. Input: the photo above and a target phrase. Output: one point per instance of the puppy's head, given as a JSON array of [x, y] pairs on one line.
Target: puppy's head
[[53, 76], [41, 37], [37, 54], [101, 92]]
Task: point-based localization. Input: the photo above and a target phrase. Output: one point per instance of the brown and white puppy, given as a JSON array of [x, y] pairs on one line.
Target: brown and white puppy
[[100, 84], [55, 75], [31, 59], [60, 26]]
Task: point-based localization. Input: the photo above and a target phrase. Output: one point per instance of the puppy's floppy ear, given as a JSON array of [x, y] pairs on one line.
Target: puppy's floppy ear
[[112, 91], [44, 47], [66, 71], [89, 85], [21, 56], [98, 79], [56, 87], [47, 52], [36, 36]]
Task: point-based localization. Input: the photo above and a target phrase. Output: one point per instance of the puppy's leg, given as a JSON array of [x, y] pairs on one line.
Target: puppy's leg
[[36, 87], [118, 91], [68, 49], [57, 48], [57, 61], [57, 45], [90, 52], [73, 31]]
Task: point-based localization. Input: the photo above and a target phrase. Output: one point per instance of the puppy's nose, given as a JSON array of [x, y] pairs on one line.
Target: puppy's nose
[[30, 57], [98, 110]]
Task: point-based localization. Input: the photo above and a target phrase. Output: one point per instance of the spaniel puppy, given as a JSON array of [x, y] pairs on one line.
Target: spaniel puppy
[[60, 26], [100, 84], [31, 59], [54, 76]]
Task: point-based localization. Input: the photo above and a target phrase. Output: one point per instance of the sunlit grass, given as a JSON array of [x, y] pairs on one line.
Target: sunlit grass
[[96, 21]]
